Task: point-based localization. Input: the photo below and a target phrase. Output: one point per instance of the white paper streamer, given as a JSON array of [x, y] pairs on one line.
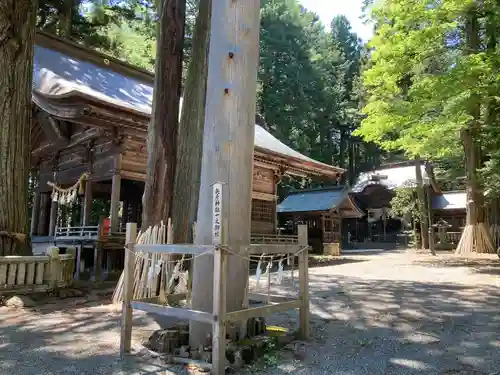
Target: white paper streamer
[[150, 274], [258, 272], [269, 266], [175, 274], [158, 267], [280, 272]]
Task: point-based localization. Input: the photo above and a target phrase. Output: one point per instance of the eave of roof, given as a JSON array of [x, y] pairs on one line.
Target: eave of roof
[[66, 70], [395, 177], [318, 200], [450, 200]]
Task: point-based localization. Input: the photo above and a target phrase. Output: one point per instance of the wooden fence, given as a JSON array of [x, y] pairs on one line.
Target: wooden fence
[[22, 274], [218, 318], [274, 238]]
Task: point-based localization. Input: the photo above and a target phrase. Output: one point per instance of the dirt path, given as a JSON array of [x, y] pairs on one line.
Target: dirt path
[[389, 313]]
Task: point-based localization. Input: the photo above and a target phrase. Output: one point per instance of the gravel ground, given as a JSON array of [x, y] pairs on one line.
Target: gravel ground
[[374, 313]]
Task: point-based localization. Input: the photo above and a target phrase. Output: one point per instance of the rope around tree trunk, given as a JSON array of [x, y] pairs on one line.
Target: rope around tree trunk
[[21, 237]]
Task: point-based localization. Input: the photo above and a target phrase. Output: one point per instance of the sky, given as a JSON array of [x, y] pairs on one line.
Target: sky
[[327, 9]]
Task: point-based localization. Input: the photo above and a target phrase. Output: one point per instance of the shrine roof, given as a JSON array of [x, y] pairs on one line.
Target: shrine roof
[[315, 200], [451, 200], [390, 178], [63, 69]]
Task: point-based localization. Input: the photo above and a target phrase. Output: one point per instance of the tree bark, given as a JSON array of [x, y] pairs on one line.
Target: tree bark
[[66, 21], [227, 150], [17, 31], [424, 225], [163, 128], [190, 145], [476, 235]]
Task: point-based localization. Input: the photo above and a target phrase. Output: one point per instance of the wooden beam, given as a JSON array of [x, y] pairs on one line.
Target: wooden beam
[[35, 212], [173, 249], [50, 127], [272, 248], [263, 297], [261, 311], [115, 195], [86, 136], [184, 314]]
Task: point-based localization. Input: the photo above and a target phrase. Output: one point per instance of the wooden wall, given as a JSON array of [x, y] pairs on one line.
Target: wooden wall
[[71, 163], [264, 218]]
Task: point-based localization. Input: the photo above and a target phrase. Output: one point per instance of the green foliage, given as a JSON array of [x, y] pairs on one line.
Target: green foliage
[[309, 78], [434, 71], [405, 204]]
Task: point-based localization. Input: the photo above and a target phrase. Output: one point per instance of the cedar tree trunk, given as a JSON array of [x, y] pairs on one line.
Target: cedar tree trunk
[[424, 217], [162, 130], [190, 145], [17, 31]]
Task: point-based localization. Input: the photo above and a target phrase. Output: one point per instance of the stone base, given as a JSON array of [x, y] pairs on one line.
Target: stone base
[[173, 344], [332, 249]]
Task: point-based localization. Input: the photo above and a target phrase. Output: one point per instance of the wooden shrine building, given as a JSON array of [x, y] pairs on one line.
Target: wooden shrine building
[[451, 207], [322, 210], [91, 117]]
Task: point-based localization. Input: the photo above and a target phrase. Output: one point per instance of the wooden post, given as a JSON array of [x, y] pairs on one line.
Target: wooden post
[[128, 289], [227, 148], [35, 213], [53, 218], [55, 267], [98, 251], [87, 203], [304, 283], [219, 311], [432, 246], [70, 276], [78, 252], [115, 201], [42, 215]]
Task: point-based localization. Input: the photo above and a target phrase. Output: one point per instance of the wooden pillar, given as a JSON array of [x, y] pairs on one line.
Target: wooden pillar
[[115, 202], [115, 195], [87, 203], [304, 282], [128, 292], [42, 215], [53, 217], [35, 213], [227, 149]]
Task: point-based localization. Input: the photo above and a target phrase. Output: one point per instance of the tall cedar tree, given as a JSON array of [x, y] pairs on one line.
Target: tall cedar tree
[[187, 172], [17, 30], [163, 128], [440, 49]]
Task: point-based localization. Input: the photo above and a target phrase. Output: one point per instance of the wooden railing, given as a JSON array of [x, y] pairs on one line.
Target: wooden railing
[[453, 237], [76, 234], [96, 237], [274, 238], [39, 273]]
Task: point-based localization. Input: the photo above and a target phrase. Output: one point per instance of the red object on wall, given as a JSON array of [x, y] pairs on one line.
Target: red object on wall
[[106, 224]]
